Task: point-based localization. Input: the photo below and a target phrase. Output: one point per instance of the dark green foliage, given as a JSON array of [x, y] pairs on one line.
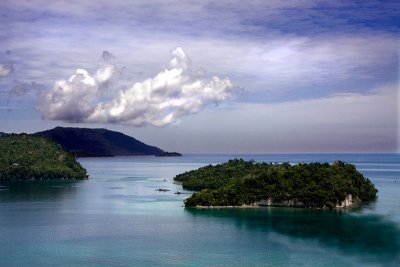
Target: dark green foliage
[[84, 142], [213, 177], [24, 156], [240, 182]]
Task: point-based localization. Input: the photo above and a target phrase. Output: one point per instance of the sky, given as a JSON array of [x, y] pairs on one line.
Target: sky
[[206, 76]]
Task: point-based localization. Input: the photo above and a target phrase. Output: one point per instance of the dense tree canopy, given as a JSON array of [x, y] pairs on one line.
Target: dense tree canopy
[[238, 182], [24, 156]]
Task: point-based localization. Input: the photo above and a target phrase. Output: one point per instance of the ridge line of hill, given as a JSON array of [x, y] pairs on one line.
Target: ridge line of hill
[[100, 142]]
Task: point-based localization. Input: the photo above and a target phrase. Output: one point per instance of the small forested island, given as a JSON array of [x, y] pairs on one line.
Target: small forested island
[[169, 154], [27, 157], [240, 183]]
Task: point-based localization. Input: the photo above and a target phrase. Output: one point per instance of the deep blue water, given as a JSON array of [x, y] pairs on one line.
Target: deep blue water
[[117, 218]]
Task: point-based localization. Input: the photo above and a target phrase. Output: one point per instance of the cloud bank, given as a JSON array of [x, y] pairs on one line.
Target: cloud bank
[[174, 92]]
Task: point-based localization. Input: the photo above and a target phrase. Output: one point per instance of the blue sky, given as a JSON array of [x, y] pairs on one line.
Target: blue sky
[[206, 76]]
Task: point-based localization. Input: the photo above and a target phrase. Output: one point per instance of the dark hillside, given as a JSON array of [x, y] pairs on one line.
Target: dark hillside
[[85, 142]]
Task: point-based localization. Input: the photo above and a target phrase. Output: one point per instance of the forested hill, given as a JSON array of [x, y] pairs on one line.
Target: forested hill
[[24, 156], [85, 142]]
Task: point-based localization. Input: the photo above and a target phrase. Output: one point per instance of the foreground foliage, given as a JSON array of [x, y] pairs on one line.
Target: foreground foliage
[[238, 182], [24, 156]]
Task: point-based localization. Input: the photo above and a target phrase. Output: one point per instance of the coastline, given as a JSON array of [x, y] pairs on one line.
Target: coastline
[[347, 203], [271, 206]]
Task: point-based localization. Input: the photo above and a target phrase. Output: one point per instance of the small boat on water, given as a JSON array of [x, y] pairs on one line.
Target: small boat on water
[[162, 190], [179, 193]]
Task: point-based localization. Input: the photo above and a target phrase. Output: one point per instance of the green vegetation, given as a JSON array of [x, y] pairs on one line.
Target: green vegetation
[[239, 182], [24, 156]]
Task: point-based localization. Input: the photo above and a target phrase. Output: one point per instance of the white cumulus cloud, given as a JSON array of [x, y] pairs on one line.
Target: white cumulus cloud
[[173, 93], [74, 99], [6, 69]]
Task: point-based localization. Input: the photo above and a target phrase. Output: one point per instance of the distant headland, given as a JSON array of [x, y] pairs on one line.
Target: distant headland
[[86, 142], [247, 183]]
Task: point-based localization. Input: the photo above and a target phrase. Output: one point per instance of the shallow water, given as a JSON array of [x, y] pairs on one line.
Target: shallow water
[[117, 218]]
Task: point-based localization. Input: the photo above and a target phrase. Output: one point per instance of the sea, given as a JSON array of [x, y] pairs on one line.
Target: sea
[[118, 218]]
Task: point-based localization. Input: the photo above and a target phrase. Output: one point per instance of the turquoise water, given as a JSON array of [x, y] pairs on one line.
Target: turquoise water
[[117, 218]]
